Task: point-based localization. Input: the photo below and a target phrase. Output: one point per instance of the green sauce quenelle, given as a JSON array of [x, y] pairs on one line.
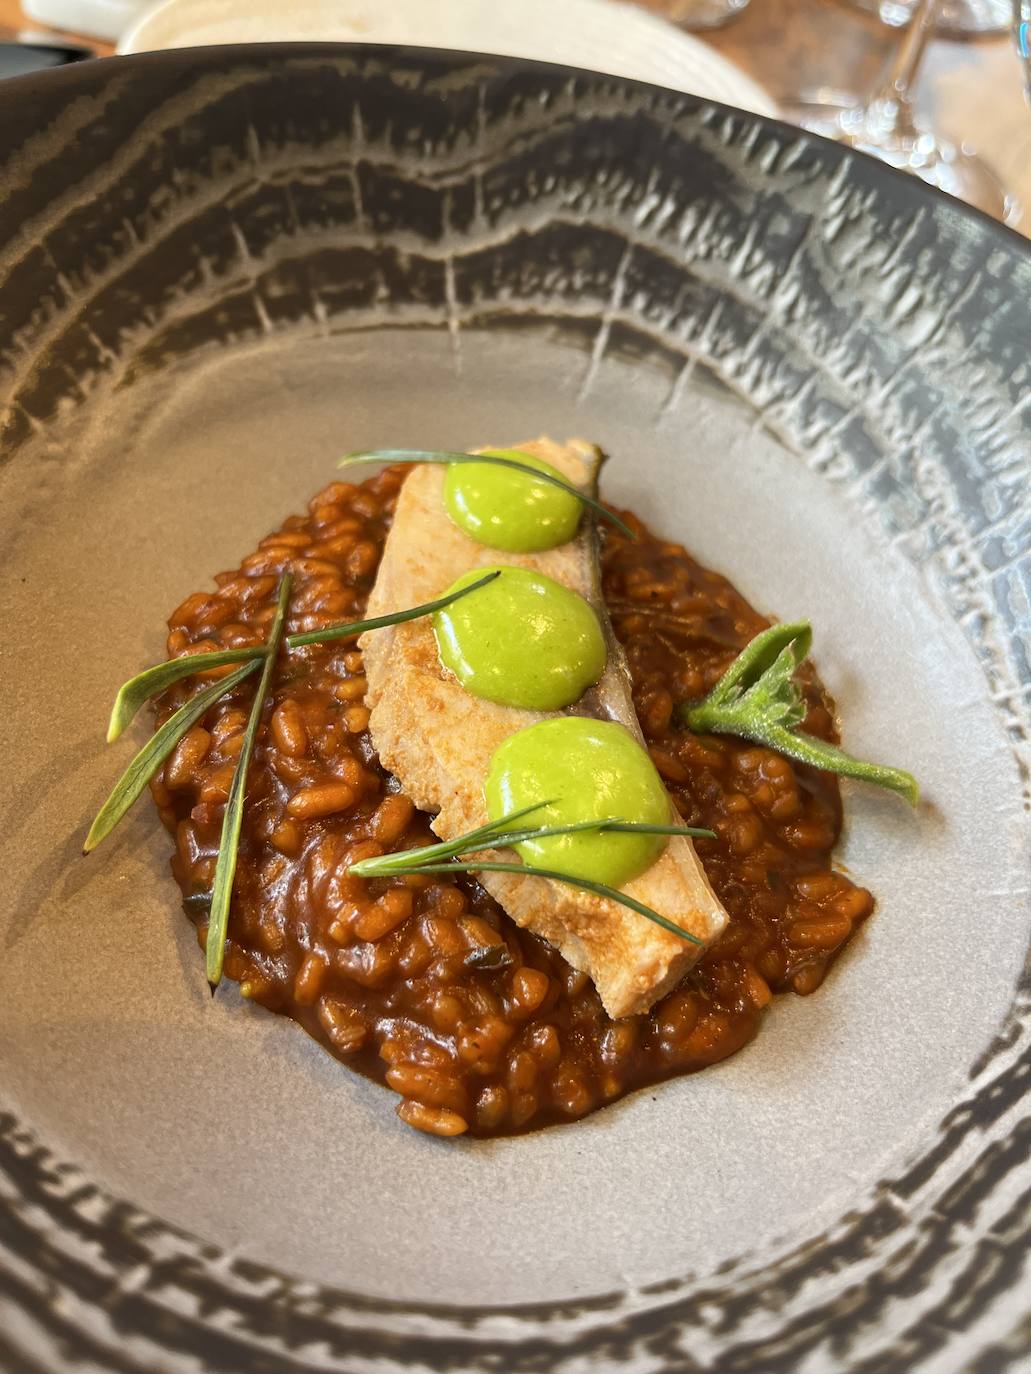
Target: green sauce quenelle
[[506, 509], [586, 770], [523, 640]]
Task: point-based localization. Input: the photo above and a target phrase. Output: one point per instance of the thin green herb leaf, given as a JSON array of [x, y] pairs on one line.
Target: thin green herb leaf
[[757, 698], [529, 870], [488, 957], [132, 694], [232, 820], [516, 837], [153, 754], [411, 455], [494, 835], [819, 754], [378, 622], [694, 832], [481, 838], [761, 653]]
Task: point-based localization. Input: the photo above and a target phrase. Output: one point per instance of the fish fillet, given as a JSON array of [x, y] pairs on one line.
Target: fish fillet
[[438, 740]]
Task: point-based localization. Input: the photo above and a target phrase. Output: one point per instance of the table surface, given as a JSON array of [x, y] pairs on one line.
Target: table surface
[[970, 90]]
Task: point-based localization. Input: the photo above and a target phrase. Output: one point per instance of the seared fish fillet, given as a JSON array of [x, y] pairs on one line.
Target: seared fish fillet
[[438, 740]]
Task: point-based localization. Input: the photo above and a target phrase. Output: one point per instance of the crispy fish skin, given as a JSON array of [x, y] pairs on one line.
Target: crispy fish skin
[[438, 740]]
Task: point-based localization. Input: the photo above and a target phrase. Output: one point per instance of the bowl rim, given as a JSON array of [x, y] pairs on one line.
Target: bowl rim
[[908, 187]]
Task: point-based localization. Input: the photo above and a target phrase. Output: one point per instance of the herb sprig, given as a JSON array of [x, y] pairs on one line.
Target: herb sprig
[[152, 681], [232, 818], [446, 457], [757, 698], [153, 754], [150, 758], [452, 856]]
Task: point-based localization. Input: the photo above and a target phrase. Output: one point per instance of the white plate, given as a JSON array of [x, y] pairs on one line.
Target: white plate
[[598, 35], [107, 19]]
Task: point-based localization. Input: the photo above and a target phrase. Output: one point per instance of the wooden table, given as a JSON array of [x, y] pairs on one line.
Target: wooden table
[[972, 91]]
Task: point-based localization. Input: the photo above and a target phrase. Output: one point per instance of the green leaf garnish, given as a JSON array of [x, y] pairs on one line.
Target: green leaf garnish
[[415, 455], [694, 832], [232, 819], [132, 694], [483, 837], [495, 834], [488, 957], [758, 699], [379, 622], [530, 870], [153, 754], [446, 857]]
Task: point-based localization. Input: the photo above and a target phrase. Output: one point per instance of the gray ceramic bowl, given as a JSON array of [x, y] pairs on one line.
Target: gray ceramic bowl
[[219, 270]]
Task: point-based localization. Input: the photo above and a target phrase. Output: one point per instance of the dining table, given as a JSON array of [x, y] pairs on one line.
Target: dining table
[[971, 90]]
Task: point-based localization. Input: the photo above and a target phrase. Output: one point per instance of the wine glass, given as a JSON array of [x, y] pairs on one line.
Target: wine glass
[[957, 18], [885, 127]]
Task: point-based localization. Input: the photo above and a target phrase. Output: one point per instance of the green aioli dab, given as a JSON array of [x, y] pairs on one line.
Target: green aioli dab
[[506, 509], [523, 640], [586, 770]]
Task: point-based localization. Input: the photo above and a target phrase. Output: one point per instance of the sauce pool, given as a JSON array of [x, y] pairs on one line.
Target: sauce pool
[[506, 509], [426, 984], [586, 770]]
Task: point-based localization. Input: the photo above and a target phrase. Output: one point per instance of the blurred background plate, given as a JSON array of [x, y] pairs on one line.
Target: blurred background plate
[[599, 35], [221, 268]]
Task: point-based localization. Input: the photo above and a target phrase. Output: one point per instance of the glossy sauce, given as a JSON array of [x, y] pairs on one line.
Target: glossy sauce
[[586, 770], [523, 640], [506, 509], [427, 985]]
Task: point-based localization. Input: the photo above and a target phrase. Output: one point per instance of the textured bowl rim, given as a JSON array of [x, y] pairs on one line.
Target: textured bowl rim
[[233, 53]]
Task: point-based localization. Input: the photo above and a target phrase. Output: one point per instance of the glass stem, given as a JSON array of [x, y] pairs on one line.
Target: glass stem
[[890, 104]]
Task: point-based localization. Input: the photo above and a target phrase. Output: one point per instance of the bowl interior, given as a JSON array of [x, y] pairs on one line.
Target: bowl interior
[[233, 1124]]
